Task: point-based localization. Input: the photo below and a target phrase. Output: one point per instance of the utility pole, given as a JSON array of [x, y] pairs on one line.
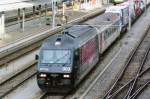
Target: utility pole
[[145, 6], [129, 27]]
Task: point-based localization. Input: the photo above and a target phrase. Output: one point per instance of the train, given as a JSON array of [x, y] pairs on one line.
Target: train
[[136, 2], [66, 58], [136, 6]]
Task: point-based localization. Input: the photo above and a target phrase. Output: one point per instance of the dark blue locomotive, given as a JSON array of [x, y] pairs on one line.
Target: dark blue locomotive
[[65, 59], [56, 63]]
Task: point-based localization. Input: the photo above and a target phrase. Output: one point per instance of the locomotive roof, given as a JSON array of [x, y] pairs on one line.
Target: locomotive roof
[[81, 33], [58, 41], [103, 21], [72, 37], [77, 31]]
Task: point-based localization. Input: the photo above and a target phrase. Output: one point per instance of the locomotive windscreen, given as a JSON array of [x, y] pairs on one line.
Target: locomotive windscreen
[[56, 56]]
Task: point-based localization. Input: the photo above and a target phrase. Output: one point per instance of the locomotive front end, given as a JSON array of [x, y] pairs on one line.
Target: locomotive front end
[[55, 67]]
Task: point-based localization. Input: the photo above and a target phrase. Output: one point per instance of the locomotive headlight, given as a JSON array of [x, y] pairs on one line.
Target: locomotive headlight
[[43, 75], [66, 76]]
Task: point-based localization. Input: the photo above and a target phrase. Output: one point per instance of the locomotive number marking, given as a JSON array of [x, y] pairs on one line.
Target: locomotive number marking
[[66, 69]]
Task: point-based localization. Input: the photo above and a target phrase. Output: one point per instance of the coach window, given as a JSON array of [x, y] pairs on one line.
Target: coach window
[[109, 32], [106, 34], [113, 27]]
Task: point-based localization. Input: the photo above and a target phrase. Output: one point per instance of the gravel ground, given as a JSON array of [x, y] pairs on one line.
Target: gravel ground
[[6, 71], [145, 94], [28, 90]]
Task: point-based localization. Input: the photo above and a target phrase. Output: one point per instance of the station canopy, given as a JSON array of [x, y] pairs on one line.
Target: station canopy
[[9, 5]]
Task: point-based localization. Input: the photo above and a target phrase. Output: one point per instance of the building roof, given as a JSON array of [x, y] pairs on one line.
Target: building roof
[[9, 5]]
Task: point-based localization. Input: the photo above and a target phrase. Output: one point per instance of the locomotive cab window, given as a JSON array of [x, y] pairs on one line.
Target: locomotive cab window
[[56, 56]]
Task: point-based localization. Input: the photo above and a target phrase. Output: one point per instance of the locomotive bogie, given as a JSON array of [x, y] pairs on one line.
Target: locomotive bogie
[[54, 83]]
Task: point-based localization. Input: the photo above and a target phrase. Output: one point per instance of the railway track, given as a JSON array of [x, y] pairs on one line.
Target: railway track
[[51, 96], [134, 77], [20, 79], [27, 78], [55, 97], [16, 80]]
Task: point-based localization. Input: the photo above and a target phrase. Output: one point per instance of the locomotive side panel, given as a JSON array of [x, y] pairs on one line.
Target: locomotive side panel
[[88, 57]]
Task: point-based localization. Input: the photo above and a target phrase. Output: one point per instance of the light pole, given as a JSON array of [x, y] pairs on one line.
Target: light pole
[[23, 19], [53, 14], [63, 18]]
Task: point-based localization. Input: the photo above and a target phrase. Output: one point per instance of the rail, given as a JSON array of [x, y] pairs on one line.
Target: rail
[[110, 94]]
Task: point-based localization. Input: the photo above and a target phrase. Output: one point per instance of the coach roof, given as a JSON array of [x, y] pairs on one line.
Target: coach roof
[[106, 19]]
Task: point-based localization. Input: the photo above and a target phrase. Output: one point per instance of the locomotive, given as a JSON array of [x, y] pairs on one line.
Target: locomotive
[[66, 58]]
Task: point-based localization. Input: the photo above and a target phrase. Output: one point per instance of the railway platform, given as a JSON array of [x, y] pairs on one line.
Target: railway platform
[[15, 34], [33, 27], [11, 34]]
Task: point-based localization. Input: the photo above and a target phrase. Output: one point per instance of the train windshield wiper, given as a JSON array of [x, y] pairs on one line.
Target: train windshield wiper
[[57, 61]]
